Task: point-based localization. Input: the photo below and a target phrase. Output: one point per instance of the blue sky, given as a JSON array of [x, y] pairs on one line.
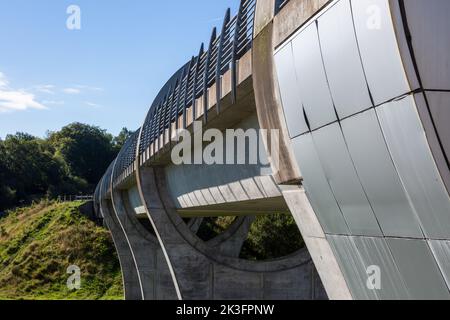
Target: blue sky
[[105, 74]]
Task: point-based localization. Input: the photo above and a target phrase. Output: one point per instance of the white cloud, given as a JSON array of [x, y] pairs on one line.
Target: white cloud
[[45, 88], [93, 105], [53, 102], [81, 89], [12, 99], [89, 88], [71, 91], [18, 101]]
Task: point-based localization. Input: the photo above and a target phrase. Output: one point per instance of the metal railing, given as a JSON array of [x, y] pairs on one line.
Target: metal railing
[[125, 160], [71, 198], [187, 85], [105, 183]]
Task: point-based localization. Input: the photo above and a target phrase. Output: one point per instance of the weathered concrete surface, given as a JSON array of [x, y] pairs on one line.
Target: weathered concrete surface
[[265, 10], [270, 111], [132, 287], [225, 189], [263, 206], [151, 267], [230, 112], [230, 242], [317, 244], [143, 263]]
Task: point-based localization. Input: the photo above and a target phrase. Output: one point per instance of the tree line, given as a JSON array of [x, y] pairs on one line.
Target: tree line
[[69, 161]]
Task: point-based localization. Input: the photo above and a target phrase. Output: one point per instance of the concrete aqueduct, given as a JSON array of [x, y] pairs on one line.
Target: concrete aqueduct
[[360, 93]]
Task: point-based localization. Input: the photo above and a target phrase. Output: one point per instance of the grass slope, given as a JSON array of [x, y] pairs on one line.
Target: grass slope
[[39, 243]]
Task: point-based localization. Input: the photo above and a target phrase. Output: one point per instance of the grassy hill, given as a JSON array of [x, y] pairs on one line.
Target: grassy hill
[[39, 243]]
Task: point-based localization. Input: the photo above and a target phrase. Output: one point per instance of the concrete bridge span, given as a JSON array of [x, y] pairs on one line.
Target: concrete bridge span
[[358, 92]]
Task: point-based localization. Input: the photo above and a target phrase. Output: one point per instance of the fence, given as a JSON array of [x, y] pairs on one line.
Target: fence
[[70, 198]]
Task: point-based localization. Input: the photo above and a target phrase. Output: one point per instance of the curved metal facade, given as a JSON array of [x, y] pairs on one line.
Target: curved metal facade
[[354, 91]]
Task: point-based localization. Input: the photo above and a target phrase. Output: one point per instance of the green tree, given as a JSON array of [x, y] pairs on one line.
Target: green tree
[[29, 166], [271, 237], [120, 140], [70, 161], [7, 196], [87, 150]]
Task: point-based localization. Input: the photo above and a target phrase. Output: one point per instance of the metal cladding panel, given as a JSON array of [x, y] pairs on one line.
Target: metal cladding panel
[[379, 177], [317, 187], [379, 50], [312, 81], [415, 164], [344, 182], [440, 111], [353, 267], [290, 96], [342, 61], [441, 251], [375, 252], [429, 24], [419, 269]]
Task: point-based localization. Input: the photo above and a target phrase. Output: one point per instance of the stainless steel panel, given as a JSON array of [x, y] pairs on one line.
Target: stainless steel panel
[[311, 77], [379, 49], [379, 177], [375, 252], [317, 187], [419, 269], [344, 182], [353, 267], [415, 164], [292, 105], [441, 252], [432, 136], [342, 61], [440, 111], [429, 24]]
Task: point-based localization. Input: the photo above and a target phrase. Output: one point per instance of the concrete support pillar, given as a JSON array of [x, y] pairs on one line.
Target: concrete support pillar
[[154, 276], [230, 242], [130, 277], [318, 246]]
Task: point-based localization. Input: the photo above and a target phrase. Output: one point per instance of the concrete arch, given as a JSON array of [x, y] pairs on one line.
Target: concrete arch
[[132, 288], [230, 242], [153, 275], [200, 272]]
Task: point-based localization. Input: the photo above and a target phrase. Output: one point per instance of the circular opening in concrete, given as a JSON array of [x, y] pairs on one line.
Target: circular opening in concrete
[[214, 226], [272, 237]]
